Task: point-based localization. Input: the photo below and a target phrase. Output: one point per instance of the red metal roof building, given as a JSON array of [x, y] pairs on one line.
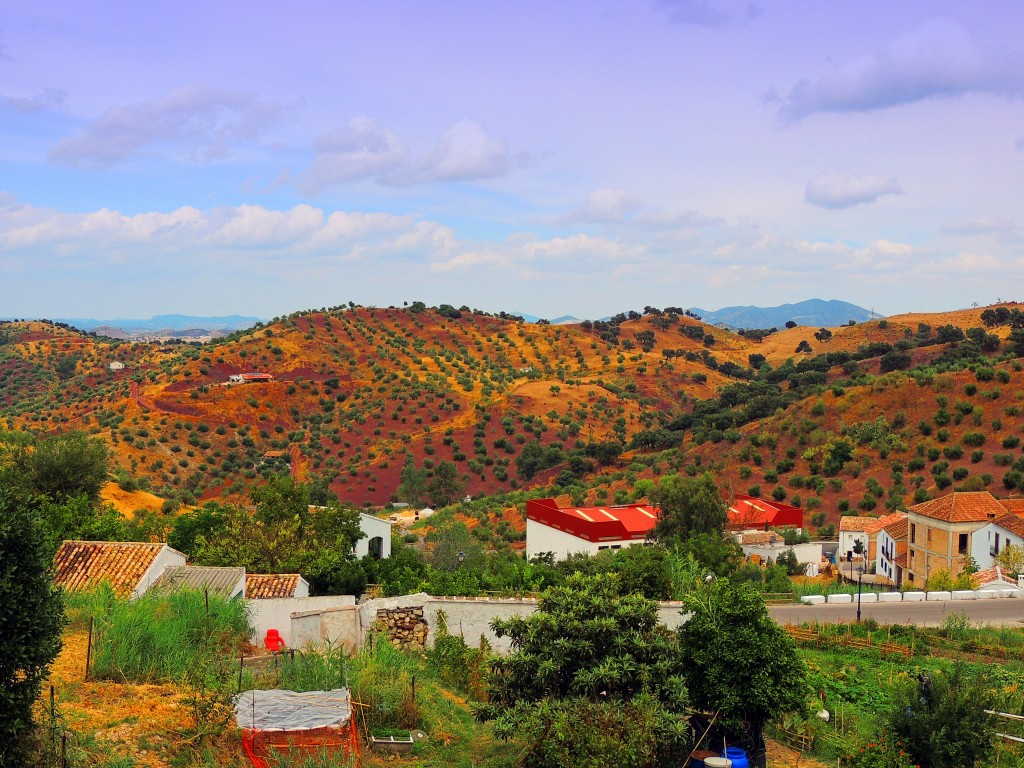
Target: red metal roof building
[[750, 512], [567, 530]]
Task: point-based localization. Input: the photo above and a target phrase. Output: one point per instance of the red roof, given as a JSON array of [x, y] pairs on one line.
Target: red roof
[[752, 512], [962, 507], [614, 523]]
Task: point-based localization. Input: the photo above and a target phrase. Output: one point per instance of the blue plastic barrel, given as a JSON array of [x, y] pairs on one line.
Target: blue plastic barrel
[[737, 756]]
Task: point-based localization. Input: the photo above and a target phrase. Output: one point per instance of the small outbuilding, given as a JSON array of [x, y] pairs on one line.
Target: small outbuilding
[[129, 567]]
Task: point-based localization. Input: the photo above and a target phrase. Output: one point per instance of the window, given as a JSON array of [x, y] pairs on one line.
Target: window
[[913, 533], [962, 544]]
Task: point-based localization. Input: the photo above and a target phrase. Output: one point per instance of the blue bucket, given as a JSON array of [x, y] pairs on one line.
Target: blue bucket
[[737, 756]]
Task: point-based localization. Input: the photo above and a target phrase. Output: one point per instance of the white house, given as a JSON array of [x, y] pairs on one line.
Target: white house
[[891, 550], [994, 537], [377, 539], [116, 365], [566, 531]]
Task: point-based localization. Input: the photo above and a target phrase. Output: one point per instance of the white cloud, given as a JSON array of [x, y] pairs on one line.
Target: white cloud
[[845, 190], [365, 149], [603, 206], [938, 60], [361, 149], [465, 152], [193, 124]]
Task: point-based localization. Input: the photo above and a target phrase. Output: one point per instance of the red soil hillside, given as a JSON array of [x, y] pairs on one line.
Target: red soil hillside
[[356, 392]]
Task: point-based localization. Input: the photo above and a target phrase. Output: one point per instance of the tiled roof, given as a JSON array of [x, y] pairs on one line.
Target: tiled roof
[[760, 538], [855, 523], [962, 507], [1015, 506], [264, 586], [989, 575], [1012, 523], [898, 528], [219, 581], [80, 565], [901, 560], [881, 522]]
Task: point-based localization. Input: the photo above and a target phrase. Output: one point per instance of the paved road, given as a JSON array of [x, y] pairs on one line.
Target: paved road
[[1003, 612]]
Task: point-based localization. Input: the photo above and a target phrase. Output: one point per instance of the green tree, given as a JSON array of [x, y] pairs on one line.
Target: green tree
[[412, 486], [644, 571], [32, 615], [446, 486], [66, 465], [941, 720], [740, 663], [689, 506], [65, 367], [590, 655], [280, 499]]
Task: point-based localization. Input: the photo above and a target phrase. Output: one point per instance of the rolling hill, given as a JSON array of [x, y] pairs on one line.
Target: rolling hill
[[358, 392]]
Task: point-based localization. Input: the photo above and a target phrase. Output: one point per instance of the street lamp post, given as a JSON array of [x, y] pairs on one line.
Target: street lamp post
[[860, 581]]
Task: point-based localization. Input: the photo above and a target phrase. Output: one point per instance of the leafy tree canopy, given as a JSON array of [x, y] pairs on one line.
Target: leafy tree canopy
[[689, 506], [739, 662], [590, 654], [32, 614]]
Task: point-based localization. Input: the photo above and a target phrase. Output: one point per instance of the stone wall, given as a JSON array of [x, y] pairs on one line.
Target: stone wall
[[403, 627]]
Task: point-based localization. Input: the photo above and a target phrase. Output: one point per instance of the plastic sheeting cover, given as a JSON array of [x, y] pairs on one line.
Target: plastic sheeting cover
[[288, 710]]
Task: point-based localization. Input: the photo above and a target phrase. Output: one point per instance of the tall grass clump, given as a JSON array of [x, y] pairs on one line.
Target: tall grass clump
[[81, 606], [382, 679], [320, 668], [166, 636]]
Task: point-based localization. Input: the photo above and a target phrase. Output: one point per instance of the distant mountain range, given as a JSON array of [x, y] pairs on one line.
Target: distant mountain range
[[161, 323], [818, 312]]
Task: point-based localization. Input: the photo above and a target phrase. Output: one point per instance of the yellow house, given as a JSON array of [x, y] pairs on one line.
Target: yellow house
[[941, 529]]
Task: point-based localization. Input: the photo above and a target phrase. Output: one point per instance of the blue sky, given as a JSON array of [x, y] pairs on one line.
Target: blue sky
[[553, 158]]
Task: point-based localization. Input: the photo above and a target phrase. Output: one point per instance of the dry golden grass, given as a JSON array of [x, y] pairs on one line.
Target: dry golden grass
[[128, 502]]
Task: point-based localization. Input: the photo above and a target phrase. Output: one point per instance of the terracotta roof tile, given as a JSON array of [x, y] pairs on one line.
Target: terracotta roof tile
[[1012, 523], [80, 565], [855, 523], [881, 522], [993, 574], [760, 538], [1014, 506], [961, 507], [265, 586], [898, 529], [901, 560]]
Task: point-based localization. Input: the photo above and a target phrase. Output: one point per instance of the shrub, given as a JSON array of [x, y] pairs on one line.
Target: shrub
[[941, 720], [159, 637]]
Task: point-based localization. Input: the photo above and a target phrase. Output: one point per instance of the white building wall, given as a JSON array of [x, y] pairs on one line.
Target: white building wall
[[846, 542], [165, 557], [373, 526], [805, 553], [984, 539], [277, 613], [884, 565], [542, 538]]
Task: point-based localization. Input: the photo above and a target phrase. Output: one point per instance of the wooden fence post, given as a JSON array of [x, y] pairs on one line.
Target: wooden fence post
[[88, 648]]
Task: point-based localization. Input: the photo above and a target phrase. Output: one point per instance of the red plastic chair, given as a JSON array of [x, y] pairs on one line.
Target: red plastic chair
[[273, 640]]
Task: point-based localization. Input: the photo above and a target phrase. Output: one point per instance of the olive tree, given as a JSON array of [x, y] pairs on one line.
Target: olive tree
[[739, 662], [590, 654]]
